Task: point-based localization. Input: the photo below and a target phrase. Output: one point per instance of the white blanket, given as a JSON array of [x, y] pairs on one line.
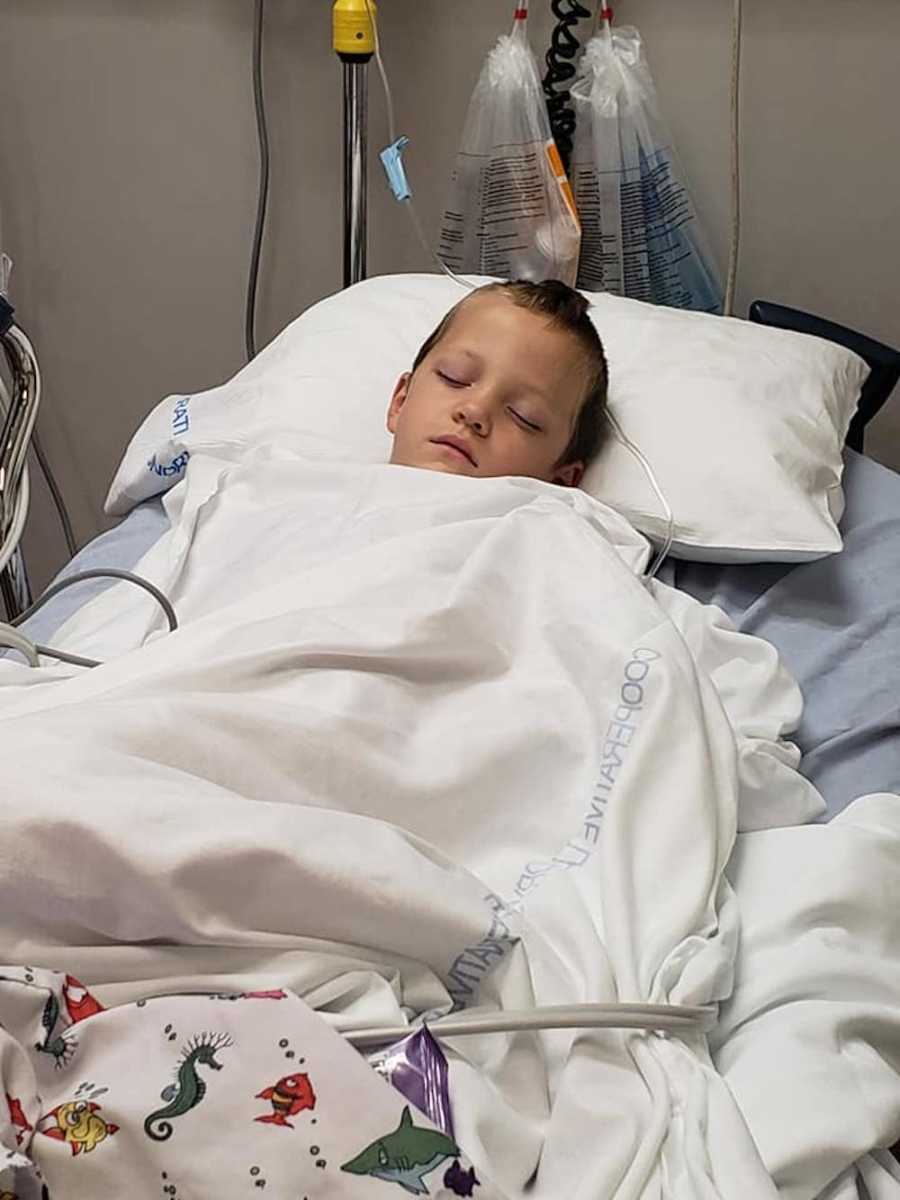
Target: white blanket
[[420, 741]]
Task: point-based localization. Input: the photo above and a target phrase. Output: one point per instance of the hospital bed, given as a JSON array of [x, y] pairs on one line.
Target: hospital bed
[[835, 621]]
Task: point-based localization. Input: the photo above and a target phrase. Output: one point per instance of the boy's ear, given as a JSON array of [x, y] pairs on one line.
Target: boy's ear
[[401, 390], [570, 475]]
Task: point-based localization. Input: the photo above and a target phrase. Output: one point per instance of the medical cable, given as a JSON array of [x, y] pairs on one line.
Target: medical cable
[[10, 636], [101, 573], [17, 523], [43, 462], [20, 501], [397, 144], [11, 639], [736, 30], [58, 501], [75, 660], [648, 471], [262, 134], [18, 420], [654, 1018]]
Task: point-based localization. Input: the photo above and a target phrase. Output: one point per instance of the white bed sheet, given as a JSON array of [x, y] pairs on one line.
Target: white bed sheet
[[834, 623], [453, 750]]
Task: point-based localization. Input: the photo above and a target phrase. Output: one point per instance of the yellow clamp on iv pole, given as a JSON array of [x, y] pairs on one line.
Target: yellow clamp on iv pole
[[353, 39], [352, 31]]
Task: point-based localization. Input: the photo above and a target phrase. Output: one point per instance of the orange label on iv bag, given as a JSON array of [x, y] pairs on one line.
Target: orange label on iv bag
[[562, 180]]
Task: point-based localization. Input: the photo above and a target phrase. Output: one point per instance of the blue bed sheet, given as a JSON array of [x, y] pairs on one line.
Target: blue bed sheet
[[121, 548], [836, 623]]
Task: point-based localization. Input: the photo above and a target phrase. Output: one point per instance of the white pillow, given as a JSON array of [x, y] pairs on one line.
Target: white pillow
[[742, 425]]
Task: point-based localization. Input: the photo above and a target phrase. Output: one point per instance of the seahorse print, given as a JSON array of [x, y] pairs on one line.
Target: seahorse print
[[189, 1088]]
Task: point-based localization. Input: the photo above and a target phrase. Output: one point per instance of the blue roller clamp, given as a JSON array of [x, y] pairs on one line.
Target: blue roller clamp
[[392, 160]]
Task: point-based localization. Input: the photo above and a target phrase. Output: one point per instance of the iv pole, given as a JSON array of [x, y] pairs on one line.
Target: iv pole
[[354, 44]]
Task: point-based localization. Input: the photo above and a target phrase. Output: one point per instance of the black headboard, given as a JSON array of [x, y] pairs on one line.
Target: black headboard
[[884, 363]]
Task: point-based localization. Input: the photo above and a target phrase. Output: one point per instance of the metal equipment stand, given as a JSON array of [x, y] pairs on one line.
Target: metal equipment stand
[[354, 44], [15, 434], [355, 181]]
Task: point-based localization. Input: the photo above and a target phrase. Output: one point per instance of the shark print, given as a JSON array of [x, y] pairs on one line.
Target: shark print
[[405, 1156]]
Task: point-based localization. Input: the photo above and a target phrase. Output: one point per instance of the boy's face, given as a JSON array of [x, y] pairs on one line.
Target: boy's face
[[498, 395]]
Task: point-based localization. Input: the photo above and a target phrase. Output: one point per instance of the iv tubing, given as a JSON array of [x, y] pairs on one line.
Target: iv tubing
[[388, 96], [392, 134], [648, 471]]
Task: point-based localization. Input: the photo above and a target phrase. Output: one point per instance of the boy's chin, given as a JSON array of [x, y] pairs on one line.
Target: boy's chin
[[451, 468], [447, 463]]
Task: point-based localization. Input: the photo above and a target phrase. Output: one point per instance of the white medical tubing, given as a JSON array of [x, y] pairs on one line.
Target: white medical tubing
[[648, 471], [392, 135], [654, 1018], [388, 97]]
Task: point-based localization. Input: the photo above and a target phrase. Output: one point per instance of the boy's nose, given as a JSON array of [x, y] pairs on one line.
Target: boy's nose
[[475, 416]]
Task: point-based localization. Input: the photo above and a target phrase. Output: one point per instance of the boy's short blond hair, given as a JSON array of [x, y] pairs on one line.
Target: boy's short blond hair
[[567, 309]]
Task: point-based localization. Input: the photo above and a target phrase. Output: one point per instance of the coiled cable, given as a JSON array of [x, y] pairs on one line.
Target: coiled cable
[[262, 134], [564, 47]]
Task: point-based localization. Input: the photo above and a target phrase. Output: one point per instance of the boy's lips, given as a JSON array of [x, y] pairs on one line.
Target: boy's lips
[[456, 443]]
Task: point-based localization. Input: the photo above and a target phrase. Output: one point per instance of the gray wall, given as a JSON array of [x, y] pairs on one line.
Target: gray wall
[[128, 166]]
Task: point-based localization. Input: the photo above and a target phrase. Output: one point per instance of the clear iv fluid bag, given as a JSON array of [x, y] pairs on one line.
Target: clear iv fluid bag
[[640, 234], [510, 211]]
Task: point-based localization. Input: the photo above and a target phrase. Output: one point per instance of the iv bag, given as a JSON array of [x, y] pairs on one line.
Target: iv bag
[[510, 211], [640, 233]]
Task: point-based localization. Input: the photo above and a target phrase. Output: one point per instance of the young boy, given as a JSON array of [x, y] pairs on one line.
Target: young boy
[[512, 382]]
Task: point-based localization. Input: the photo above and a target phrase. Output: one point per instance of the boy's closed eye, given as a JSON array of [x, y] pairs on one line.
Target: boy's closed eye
[[458, 379], [450, 379], [525, 422]]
